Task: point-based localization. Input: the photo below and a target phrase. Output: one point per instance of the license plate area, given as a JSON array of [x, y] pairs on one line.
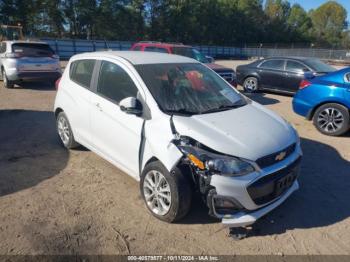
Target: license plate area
[[284, 183]]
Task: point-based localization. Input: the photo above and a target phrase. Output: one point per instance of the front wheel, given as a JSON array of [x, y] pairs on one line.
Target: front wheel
[[332, 119], [250, 84], [167, 195]]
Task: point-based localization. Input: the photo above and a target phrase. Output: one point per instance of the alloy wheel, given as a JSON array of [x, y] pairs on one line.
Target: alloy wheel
[[250, 85], [157, 192], [330, 120], [63, 129]]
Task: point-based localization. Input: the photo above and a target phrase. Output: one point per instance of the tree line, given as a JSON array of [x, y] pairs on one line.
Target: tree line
[[210, 22]]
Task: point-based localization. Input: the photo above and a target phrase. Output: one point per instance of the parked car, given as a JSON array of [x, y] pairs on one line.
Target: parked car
[[282, 74], [27, 61], [179, 49], [326, 101], [177, 127]]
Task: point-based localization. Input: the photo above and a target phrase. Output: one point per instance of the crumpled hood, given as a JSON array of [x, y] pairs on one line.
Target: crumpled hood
[[249, 132]]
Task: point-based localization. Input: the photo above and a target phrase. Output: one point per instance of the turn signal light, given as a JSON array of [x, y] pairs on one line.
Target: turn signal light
[[57, 83], [196, 161], [304, 83]]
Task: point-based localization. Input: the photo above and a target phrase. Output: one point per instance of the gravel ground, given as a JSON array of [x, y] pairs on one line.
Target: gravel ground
[[54, 201]]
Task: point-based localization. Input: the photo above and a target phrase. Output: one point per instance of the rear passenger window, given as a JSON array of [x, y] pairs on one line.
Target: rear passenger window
[[293, 66], [137, 48], [81, 72], [2, 48], [114, 83], [273, 64], [156, 49]]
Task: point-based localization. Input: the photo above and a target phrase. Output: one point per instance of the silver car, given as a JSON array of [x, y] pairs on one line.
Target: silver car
[[28, 61]]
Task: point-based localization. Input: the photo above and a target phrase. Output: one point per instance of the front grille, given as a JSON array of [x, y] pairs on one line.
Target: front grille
[[266, 188], [269, 160], [227, 76]]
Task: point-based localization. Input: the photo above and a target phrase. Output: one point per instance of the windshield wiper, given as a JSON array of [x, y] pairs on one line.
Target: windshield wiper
[[223, 108], [181, 111]]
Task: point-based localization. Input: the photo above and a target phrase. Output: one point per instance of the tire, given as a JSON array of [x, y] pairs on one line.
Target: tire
[[65, 132], [7, 83], [251, 84], [179, 203], [331, 119]]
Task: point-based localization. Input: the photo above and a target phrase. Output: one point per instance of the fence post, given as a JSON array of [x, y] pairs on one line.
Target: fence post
[[56, 47], [74, 47]]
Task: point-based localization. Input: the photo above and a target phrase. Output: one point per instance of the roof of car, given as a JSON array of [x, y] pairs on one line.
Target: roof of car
[[138, 58], [160, 44], [290, 57]]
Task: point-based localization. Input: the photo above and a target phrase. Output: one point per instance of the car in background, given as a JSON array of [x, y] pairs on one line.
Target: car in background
[[28, 61], [282, 74], [177, 127], [326, 101], [179, 49]]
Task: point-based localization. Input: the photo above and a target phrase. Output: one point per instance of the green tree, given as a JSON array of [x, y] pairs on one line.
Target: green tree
[[329, 21], [299, 23]]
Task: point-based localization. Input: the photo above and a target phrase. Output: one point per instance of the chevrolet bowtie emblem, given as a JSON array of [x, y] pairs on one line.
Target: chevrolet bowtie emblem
[[280, 156]]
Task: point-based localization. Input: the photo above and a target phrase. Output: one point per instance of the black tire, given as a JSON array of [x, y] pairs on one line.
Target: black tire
[[180, 190], [320, 119], [70, 141], [7, 83], [251, 84]]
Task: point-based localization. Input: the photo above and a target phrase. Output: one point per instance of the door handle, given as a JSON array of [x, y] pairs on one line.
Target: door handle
[[98, 106]]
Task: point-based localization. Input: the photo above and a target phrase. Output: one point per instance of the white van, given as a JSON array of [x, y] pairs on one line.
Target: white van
[[177, 127]]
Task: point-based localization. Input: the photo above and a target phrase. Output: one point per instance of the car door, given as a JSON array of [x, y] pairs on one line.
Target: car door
[[271, 73], [79, 88], [116, 134], [347, 89], [294, 74]]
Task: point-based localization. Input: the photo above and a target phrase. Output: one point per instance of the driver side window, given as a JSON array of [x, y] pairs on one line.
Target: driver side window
[[347, 78], [114, 83]]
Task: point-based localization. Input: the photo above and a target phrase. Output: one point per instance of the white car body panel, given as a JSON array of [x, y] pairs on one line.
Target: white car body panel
[[129, 142]]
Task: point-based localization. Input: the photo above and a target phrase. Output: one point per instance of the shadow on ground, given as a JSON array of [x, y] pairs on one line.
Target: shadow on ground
[[41, 86], [30, 149], [262, 99]]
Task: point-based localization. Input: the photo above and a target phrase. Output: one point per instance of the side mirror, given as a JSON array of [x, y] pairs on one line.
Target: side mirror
[[131, 105], [210, 59]]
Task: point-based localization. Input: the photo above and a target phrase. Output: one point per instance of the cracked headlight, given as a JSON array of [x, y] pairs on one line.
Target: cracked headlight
[[216, 163]]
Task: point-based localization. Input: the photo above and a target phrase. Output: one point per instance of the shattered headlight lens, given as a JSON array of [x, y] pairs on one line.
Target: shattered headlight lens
[[217, 163]]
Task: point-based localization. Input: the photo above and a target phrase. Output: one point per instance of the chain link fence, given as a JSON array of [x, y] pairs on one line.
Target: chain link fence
[[65, 48]]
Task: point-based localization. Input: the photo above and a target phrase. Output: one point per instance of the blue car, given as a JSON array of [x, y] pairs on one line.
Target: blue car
[[326, 101]]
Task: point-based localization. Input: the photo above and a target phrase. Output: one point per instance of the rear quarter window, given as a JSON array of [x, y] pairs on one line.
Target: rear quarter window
[[81, 72]]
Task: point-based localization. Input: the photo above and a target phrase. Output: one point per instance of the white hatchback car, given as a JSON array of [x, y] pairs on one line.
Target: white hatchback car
[[178, 127]]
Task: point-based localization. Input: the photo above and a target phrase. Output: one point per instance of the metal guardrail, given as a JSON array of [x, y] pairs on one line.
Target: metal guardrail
[[65, 48]]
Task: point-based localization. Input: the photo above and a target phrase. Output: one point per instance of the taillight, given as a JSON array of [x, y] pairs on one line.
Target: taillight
[[304, 83], [57, 83]]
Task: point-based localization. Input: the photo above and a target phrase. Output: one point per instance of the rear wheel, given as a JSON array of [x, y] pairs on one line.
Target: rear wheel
[[332, 119], [250, 84], [167, 195], [7, 83]]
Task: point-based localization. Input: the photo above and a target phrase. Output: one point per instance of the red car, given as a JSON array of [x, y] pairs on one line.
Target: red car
[[179, 49]]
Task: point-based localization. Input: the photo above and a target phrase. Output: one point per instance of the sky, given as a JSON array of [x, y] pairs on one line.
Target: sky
[[313, 4]]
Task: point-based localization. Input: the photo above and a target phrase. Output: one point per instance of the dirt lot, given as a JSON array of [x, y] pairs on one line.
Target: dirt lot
[[57, 202]]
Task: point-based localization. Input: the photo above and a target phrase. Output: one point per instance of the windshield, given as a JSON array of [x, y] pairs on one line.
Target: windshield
[[33, 50], [319, 66], [189, 89], [190, 52]]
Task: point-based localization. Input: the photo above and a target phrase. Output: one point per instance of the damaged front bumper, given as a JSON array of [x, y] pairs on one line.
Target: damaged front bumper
[[242, 219], [250, 197]]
